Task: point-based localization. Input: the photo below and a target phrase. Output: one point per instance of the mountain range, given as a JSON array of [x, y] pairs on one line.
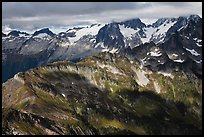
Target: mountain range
[[183, 35], [117, 78]]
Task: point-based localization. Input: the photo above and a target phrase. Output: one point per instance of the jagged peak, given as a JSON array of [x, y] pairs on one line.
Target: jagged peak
[[160, 21], [133, 23], [195, 18], [44, 30]]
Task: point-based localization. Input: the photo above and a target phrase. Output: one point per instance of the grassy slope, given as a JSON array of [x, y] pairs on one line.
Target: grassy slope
[[124, 107]]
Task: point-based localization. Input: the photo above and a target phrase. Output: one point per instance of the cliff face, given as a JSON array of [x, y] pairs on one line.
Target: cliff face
[[103, 94]]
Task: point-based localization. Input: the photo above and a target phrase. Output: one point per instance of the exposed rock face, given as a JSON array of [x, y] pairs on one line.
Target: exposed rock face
[[103, 94]]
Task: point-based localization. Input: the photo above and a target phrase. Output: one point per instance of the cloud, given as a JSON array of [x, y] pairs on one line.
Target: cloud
[[34, 15]]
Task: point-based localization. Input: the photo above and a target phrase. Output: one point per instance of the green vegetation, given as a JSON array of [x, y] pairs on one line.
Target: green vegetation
[[104, 103]]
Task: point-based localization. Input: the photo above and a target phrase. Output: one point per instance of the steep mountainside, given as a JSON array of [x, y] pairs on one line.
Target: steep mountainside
[[103, 94]]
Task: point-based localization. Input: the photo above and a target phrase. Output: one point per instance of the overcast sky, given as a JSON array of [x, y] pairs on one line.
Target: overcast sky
[[29, 16]]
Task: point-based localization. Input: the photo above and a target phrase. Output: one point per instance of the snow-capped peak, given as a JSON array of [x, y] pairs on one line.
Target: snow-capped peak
[[89, 30]]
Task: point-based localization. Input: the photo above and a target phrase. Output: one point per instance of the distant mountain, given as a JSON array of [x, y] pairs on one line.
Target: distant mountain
[[183, 50], [133, 23], [44, 31], [110, 37], [16, 33], [80, 42]]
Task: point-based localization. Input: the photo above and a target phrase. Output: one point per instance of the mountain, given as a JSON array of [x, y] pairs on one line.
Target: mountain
[[80, 42], [110, 37], [182, 50], [16, 33], [103, 94], [43, 32], [133, 23]]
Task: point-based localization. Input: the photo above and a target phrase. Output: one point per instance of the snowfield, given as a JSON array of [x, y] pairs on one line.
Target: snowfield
[[85, 31]]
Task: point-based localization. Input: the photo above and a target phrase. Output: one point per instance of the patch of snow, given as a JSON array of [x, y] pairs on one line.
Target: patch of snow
[[174, 55], [148, 21], [23, 35], [199, 40], [127, 32], [143, 60], [16, 133], [98, 44], [148, 31], [63, 95], [156, 49], [156, 54], [200, 61], [101, 65], [42, 35], [164, 28], [193, 52], [93, 40], [166, 74], [199, 45], [131, 62], [178, 60], [113, 50], [180, 28], [62, 34], [195, 39], [112, 37], [105, 50], [187, 37], [11, 40]]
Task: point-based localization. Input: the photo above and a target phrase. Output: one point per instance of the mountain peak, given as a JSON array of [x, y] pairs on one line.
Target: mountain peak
[[133, 23], [44, 30], [195, 18], [16, 33], [161, 21]]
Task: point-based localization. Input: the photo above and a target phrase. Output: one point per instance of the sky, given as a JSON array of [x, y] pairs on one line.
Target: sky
[[60, 16]]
